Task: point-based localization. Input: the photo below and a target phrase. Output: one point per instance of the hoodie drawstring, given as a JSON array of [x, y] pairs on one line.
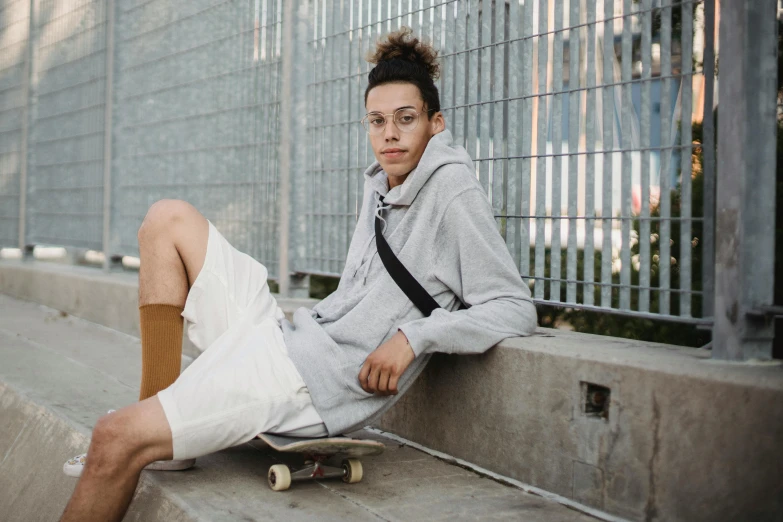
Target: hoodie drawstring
[[380, 206]]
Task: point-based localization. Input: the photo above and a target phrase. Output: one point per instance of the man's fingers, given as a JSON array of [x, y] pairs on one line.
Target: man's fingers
[[363, 376], [364, 372], [393, 384], [383, 383], [372, 379]]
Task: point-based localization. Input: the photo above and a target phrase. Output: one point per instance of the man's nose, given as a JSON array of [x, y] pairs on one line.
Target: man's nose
[[391, 132]]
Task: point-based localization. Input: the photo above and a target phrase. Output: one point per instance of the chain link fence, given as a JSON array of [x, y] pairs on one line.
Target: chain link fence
[[590, 124]]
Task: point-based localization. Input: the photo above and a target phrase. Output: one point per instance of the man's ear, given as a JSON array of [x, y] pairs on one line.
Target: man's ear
[[438, 124]]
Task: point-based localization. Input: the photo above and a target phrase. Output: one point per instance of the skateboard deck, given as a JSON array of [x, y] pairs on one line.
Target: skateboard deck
[[316, 452]]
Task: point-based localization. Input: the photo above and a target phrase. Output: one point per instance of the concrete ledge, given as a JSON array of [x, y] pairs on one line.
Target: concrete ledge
[[685, 437]]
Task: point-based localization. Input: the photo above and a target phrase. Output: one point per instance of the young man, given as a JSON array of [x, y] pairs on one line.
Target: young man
[[339, 366]]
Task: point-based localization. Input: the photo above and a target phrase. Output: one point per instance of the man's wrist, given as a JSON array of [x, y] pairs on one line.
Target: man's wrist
[[407, 342]]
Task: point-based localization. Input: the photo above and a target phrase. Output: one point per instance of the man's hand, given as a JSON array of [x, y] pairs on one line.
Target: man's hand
[[383, 367]]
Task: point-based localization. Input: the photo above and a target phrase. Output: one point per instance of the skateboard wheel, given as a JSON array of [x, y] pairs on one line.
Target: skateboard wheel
[[279, 477], [353, 471]]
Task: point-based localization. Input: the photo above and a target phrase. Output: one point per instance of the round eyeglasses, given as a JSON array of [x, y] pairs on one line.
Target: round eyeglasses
[[406, 119]]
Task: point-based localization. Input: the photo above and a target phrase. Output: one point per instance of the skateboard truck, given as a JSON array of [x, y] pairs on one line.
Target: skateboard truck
[[280, 476], [316, 453]]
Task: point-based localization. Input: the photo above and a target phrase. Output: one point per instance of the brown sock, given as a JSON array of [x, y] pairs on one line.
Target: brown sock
[[161, 347]]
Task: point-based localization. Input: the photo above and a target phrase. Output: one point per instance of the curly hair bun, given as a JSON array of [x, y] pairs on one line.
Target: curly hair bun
[[402, 45]]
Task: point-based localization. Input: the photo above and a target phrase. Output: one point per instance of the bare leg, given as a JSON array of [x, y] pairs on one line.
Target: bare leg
[[172, 245], [122, 443]]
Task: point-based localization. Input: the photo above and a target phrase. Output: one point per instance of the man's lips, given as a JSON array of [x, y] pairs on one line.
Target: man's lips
[[393, 153]]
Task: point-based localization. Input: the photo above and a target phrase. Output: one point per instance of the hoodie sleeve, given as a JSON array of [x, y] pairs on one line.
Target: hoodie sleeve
[[474, 262]]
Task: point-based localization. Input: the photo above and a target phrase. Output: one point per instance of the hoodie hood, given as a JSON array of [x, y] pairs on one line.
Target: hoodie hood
[[440, 151]]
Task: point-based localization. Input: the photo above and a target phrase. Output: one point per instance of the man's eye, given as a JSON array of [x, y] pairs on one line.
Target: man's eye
[[376, 121], [406, 118]]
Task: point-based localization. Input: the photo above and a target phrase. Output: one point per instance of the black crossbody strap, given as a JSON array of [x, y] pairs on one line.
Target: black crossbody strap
[[400, 274]]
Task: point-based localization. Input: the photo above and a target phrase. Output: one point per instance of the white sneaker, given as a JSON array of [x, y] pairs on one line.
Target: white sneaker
[[74, 467]]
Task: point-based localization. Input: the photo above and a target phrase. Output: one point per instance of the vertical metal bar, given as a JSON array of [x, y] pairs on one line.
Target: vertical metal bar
[[286, 121], [414, 6], [331, 92], [301, 76], [313, 160], [745, 199], [664, 226], [345, 220], [541, 139], [324, 186], [626, 177], [498, 185], [555, 271], [27, 72], [436, 22], [448, 65], [513, 149], [686, 41], [396, 14], [461, 76], [708, 170], [485, 110], [441, 39], [590, 137], [327, 153], [358, 103], [263, 155], [107, 133], [272, 72], [332, 186], [367, 155], [573, 147], [310, 53], [526, 131], [337, 140], [273, 177], [607, 185], [473, 93], [314, 105], [644, 212]]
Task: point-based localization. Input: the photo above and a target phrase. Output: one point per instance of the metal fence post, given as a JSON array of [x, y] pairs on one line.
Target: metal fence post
[[107, 134], [301, 77], [745, 199], [293, 99], [285, 151], [28, 69]]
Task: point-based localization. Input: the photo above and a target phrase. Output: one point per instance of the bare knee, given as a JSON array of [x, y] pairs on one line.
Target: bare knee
[[164, 217], [110, 449]]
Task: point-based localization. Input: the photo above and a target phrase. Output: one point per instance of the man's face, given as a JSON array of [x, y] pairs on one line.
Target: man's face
[[399, 152]]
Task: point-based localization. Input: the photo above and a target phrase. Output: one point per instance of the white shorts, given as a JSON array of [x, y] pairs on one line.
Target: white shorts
[[243, 383]]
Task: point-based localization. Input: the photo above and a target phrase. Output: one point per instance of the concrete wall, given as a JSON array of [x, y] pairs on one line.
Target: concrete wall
[[685, 437]]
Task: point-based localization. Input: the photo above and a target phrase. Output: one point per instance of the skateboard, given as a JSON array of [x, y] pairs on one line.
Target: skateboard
[[316, 452]]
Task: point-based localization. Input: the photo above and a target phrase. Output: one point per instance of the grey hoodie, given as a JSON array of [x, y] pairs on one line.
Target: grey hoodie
[[440, 224]]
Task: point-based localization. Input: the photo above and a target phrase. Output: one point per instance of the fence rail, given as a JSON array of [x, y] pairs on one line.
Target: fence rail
[[590, 124]]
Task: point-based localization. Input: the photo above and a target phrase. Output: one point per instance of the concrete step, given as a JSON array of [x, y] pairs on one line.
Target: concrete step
[[59, 373]]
